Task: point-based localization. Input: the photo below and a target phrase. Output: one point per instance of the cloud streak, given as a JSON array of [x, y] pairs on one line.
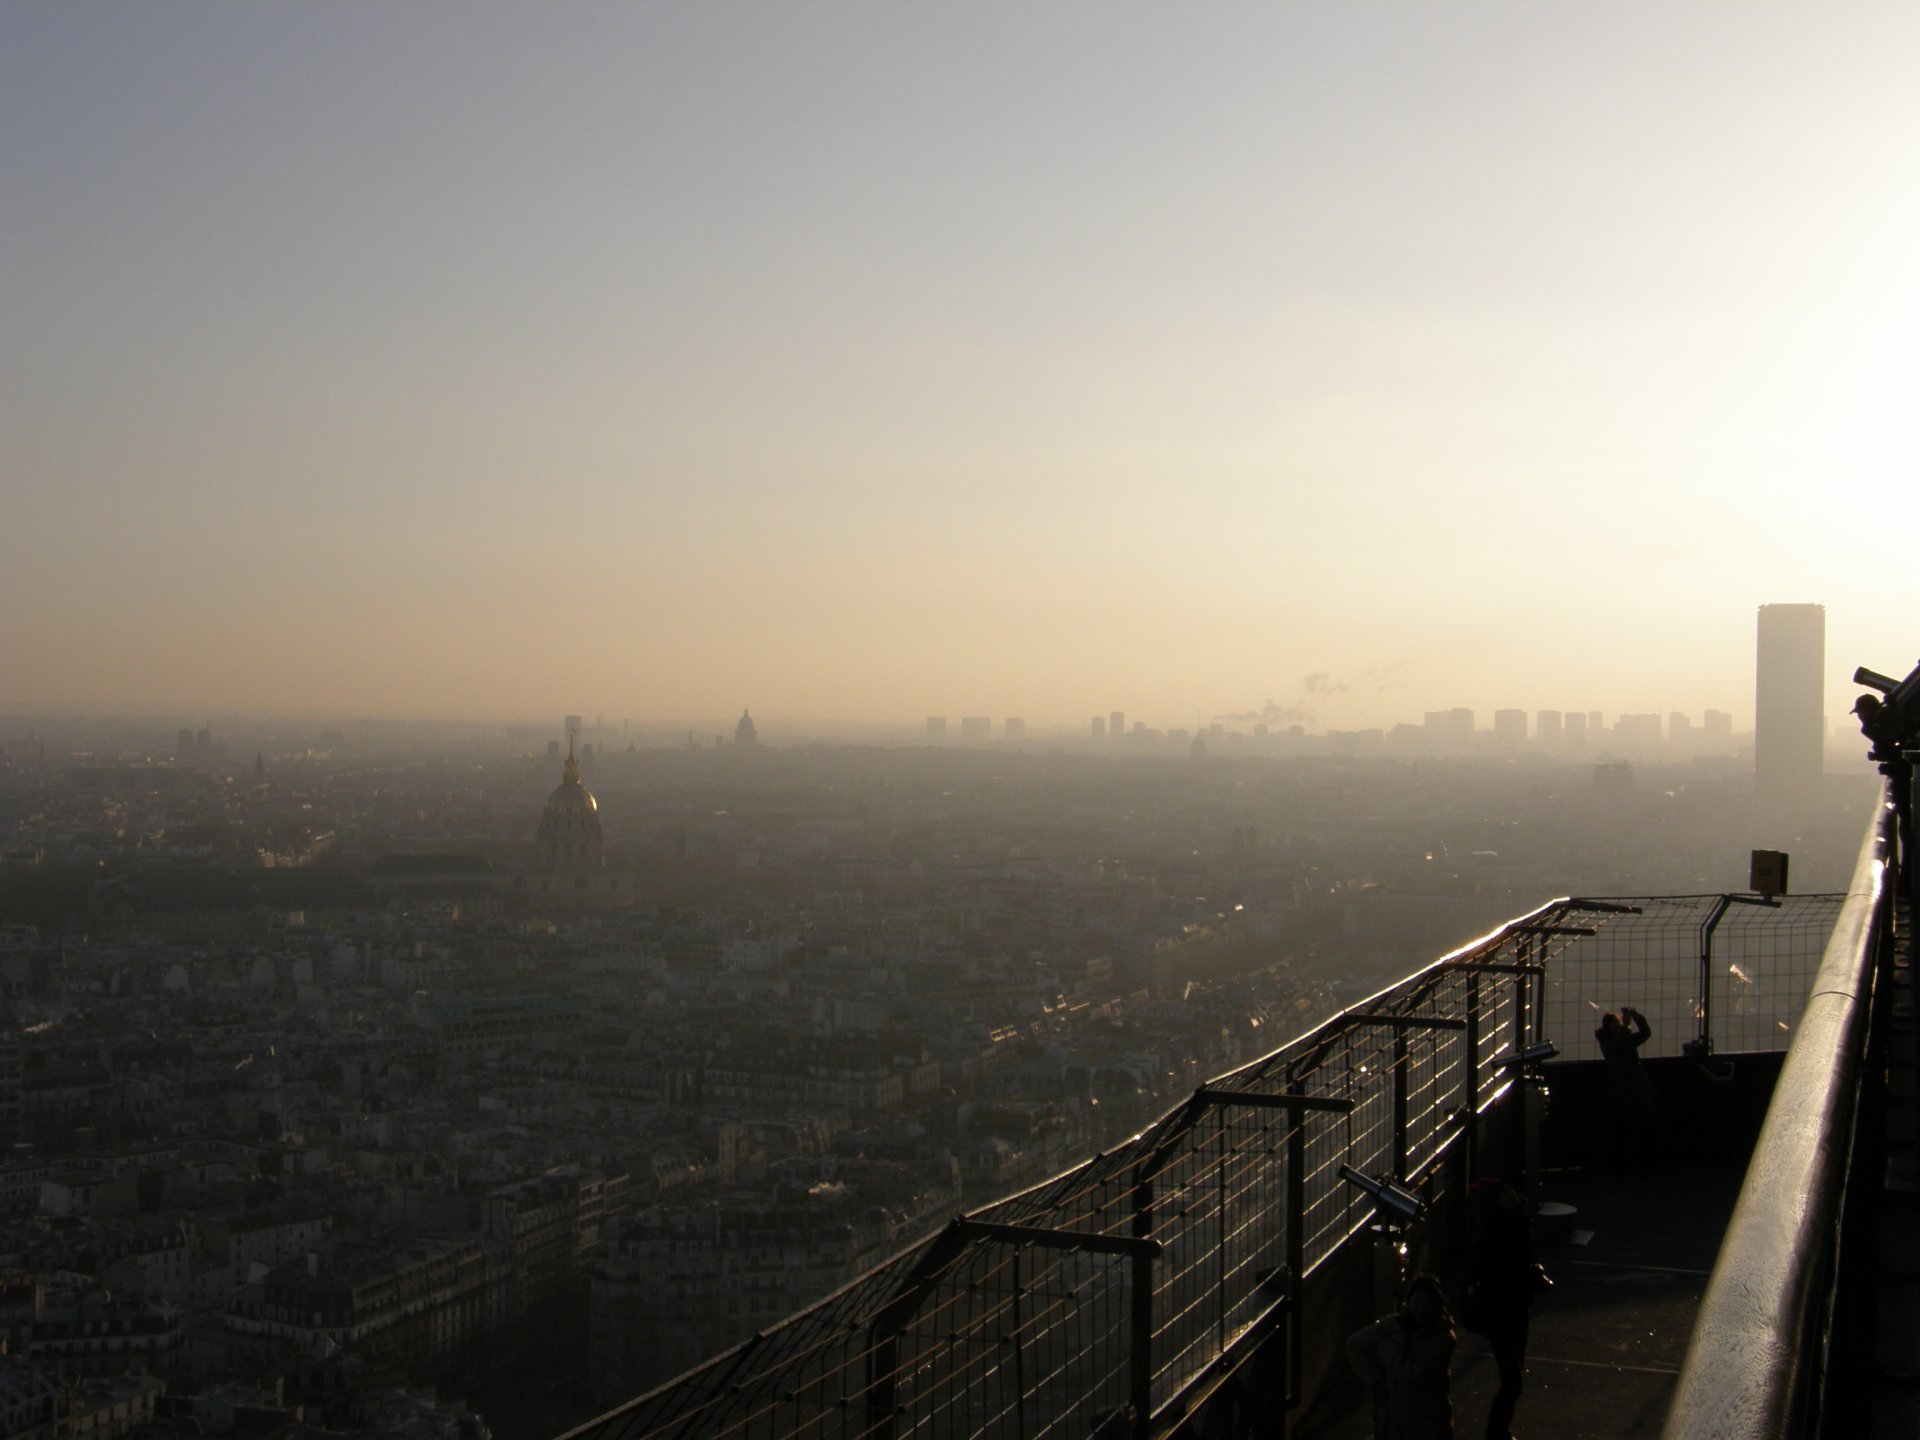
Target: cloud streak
[[1319, 685]]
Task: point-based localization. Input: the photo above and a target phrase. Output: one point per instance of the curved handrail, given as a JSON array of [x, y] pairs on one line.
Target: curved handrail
[[1753, 1359]]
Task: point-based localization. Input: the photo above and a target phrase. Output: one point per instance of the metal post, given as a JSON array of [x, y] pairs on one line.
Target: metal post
[[1400, 1100], [1472, 1079], [1019, 1350], [1530, 1001], [880, 1393], [1703, 1047], [1297, 1107], [1143, 1252], [1533, 1106], [1226, 1228], [1470, 1082], [1520, 979], [1704, 1044], [1142, 1345], [1401, 1024], [1296, 1245]]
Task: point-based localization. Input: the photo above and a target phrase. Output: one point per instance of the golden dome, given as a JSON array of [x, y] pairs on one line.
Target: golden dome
[[569, 831]]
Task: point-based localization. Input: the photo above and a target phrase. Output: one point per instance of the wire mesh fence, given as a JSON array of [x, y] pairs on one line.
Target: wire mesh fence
[[1087, 1304], [1720, 968]]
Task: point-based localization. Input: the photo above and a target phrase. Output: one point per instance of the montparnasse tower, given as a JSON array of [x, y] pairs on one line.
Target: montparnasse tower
[[569, 831]]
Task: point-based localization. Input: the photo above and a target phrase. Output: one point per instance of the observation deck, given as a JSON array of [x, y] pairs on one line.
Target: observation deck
[[1200, 1279]]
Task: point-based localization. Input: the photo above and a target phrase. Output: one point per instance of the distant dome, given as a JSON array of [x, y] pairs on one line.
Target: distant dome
[[569, 831], [744, 733]]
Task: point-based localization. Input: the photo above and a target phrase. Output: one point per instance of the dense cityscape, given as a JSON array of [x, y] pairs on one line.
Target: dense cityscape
[[420, 1079]]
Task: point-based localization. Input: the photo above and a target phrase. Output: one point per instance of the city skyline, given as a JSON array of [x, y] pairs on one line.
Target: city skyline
[[1571, 732], [852, 362]]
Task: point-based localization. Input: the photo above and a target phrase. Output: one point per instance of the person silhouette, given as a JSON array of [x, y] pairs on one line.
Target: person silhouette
[[1629, 1089], [1502, 1279]]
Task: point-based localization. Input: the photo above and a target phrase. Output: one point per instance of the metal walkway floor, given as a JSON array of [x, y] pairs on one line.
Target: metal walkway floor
[[1607, 1342]]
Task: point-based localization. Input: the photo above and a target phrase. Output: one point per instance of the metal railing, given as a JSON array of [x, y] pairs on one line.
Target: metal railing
[[1107, 1300], [1756, 1367]]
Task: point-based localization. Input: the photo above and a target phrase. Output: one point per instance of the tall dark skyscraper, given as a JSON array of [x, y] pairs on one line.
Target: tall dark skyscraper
[[1789, 721]]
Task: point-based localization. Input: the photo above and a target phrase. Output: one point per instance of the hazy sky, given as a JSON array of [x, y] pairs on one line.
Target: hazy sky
[[899, 359]]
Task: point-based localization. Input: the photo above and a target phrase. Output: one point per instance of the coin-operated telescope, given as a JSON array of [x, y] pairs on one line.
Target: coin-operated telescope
[[1890, 719], [1529, 1059], [1396, 1205], [1396, 1210], [1891, 722]]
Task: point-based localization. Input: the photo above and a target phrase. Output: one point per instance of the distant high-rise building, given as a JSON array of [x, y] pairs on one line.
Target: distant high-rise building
[[1789, 721], [1546, 727], [1097, 727], [1014, 728], [1116, 724], [1596, 722], [976, 729], [1719, 725], [1510, 726], [1679, 726], [936, 727]]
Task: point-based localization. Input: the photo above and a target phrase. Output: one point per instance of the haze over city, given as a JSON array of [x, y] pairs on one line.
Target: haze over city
[[862, 720], [875, 362]]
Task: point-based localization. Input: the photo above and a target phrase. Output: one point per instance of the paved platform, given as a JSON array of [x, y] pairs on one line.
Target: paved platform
[[1607, 1342]]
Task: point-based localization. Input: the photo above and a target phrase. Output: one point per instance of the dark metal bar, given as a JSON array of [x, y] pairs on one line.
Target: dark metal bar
[[1050, 1239], [1176, 1129], [1406, 1022], [1285, 1101], [1296, 1250], [1401, 1082], [1721, 905], [1226, 1227], [1142, 1349], [1472, 1077], [1502, 967], [883, 1356], [1019, 1350], [1525, 972]]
